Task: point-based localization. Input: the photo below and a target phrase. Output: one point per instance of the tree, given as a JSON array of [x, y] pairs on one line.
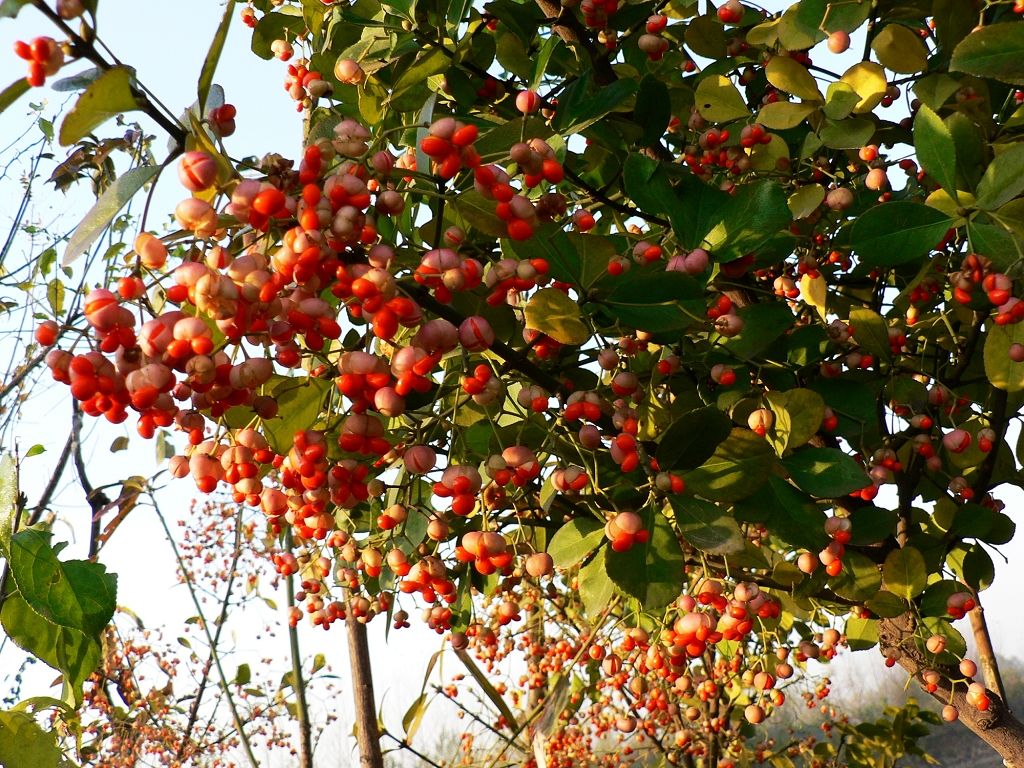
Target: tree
[[697, 349]]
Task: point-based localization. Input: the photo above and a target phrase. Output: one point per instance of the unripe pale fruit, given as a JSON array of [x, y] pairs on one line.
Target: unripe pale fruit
[[539, 564], [754, 714], [151, 250], [419, 459], [527, 102], [197, 171], [839, 199], [876, 180], [838, 41], [807, 562], [349, 72], [957, 440]]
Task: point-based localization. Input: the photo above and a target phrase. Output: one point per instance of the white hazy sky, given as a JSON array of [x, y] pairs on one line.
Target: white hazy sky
[[166, 43]]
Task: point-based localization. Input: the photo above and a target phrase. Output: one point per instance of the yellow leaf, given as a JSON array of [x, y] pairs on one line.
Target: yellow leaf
[[783, 115], [814, 292], [107, 96], [806, 200], [765, 34], [868, 80], [791, 77], [940, 200], [900, 49], [718, 100], [553, 313]]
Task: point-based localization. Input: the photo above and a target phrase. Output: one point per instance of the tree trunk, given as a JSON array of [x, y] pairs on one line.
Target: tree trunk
[[367, 733], [996, 726]]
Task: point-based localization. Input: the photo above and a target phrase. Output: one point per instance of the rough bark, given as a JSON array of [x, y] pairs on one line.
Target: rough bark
[[996, 726]]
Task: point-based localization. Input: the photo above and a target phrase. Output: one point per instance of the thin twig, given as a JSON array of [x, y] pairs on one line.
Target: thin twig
[[301, 708], [225, 688]]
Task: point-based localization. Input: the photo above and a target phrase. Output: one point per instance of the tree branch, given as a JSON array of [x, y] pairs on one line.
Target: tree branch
[[996, 726]]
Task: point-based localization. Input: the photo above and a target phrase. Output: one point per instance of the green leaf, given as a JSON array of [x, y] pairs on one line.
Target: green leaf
[[55, 296], [1003, 179], [737, 469], [905, 573], [242, 675], [578, 109], [35, 450], [1003, 373], [299, 402], [284, 23], [705, 36], [831, 16], [787, 513], [478, 212], [840, 99], [574, 541], [826, 473], [763, 324], [485, 684], [861, 634], [651, 572], [653, 108], [956, 646], [872, 525], [596, 588], [693, 438], [69, 651], [75, 594], [973, 564], [933, 601], [796, 31], [935, 148], [871, 332], [747, 220], [408, 92], [13, 92], [935, 90], [23, 742], [106, 97], [851, 133], [788, 75], [859, 579], [540, 64], [995, 50], [900, 49], [213, 55], [783, 115], [886, 604], [693, 207], [707, 527], [8, 502], [9, 8], [106, 208], [718, 100], [898, 232], [798, 415], [552, 312]]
